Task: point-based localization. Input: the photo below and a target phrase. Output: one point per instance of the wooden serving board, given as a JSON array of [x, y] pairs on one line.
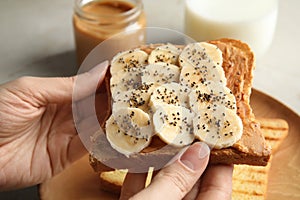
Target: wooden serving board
[[81, 182]]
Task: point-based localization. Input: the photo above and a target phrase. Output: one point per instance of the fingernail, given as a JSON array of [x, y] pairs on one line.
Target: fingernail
[[101, 66], [195, 156], [177, 156]]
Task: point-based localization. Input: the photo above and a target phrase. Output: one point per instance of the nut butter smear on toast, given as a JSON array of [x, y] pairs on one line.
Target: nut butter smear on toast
[[251, 148]]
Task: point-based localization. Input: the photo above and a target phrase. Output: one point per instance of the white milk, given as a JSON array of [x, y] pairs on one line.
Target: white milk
[[252, 21]]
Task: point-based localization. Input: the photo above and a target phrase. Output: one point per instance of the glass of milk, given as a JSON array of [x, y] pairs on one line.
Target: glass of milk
[[252, 21]]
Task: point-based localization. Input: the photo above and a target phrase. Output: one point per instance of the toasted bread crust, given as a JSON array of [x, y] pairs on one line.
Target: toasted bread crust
[[238, 65], [251, 149]]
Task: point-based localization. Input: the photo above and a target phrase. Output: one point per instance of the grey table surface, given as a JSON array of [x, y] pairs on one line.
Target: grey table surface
[[36, 39]]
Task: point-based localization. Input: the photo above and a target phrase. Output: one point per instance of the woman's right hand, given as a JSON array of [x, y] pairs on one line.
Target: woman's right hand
[[188, 176]]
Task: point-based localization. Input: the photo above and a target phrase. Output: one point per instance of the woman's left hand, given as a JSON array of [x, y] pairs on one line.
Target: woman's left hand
[[38, 138]]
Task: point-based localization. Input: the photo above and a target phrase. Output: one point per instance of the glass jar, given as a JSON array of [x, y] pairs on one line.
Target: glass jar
[[97, 20]]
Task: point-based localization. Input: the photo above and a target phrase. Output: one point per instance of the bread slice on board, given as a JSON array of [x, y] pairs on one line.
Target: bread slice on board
[[251, 149], [250, 182]]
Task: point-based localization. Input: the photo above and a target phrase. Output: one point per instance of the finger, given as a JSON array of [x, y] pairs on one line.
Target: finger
[[133, 183], [88, 82], [177, 179], [42, 91], [193, 193], [84, 109], [216, 183]]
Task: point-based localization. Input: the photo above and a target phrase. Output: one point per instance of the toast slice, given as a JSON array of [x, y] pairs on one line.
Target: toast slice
[[275, 131], [112, 181], [250, 182], [251, 149]]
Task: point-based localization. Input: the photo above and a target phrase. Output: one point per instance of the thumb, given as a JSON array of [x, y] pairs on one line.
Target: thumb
[[178, 178], [43, 91]]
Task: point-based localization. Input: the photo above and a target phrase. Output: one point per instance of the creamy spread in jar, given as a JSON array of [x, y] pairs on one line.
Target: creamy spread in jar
[[95, 21]]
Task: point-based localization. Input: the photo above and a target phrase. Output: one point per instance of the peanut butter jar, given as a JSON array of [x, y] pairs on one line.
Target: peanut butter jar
[[97, 20]]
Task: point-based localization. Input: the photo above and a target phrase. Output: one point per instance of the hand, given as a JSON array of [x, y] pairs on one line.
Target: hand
[[38, 138], [180, 179]]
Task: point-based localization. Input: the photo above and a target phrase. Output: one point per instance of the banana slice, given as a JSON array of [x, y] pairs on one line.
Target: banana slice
[[219, 129], [173, 125], [160, 73], [135, 98], [125, 81], [121, 141], [210, 96], [170, 93], [213, 52], [202, 51], [134, 122], [201, 62], [165, 53], [192, 75], [128, 61]]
